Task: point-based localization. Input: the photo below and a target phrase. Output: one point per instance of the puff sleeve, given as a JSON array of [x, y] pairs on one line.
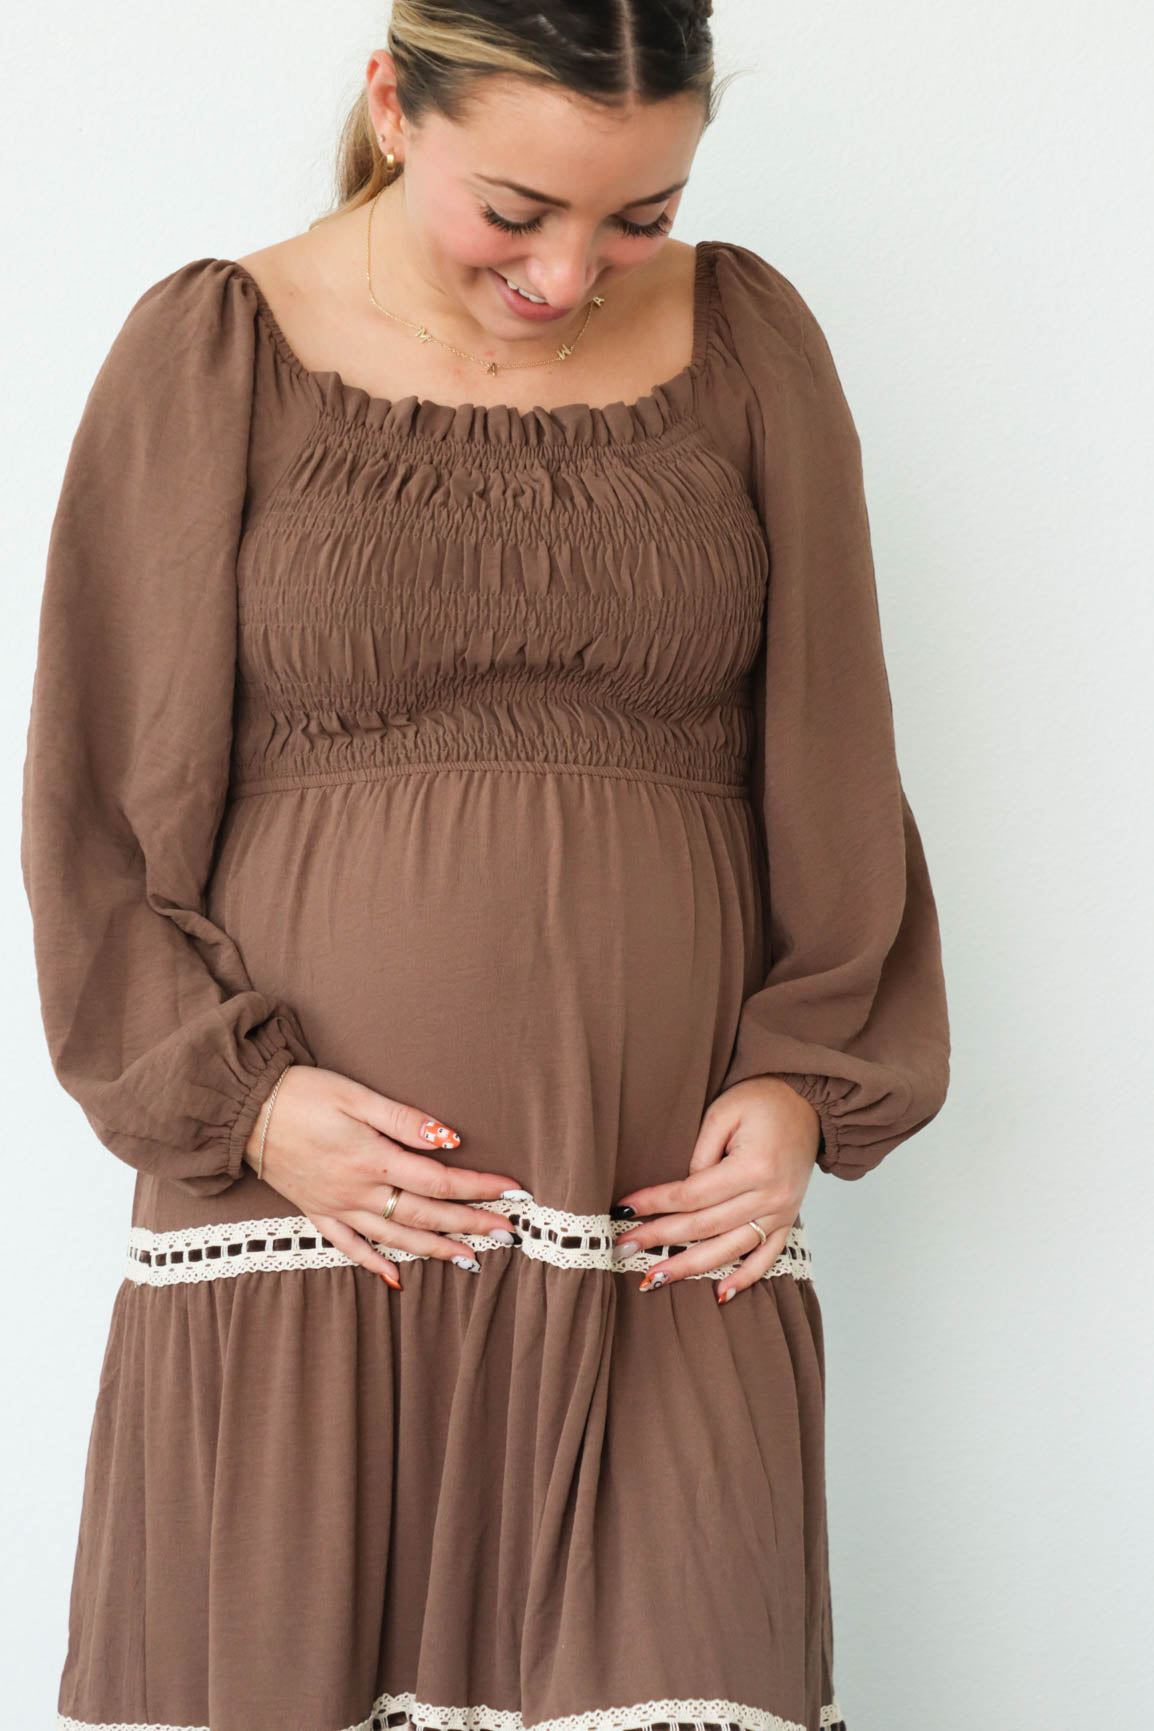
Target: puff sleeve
[[852, 1012], [153, 1025]]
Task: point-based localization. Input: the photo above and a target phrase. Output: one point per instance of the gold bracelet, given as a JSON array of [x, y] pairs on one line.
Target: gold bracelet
[[267, 1116]]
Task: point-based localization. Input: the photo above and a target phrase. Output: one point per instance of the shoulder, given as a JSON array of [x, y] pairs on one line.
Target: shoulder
[[184, 356], [204, 302], [779, 346], [286, 267], [194, 324], [195, 293], [766, 311]]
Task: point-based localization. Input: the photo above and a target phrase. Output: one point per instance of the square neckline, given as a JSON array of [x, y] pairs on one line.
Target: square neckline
[[330, 379]]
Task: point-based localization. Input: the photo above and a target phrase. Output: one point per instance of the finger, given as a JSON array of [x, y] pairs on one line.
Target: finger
[[402, 1122], [754, 1265], [426, 1176], [343, 1238], [718, 1123], [709, 1188], [400, 1237], [408, 1126], [414, 1209], [703, 1223], [710, 1253]]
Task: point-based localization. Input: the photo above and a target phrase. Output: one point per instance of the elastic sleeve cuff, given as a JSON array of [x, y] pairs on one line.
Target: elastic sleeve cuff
[[282, 1044], [814, 1089]]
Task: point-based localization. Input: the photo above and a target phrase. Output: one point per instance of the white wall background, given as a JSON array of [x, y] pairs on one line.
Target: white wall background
[[962, 193]]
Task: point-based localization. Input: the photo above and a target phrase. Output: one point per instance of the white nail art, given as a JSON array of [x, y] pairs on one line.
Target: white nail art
[[518, 1195], [501, 1236], [626, 1248], [466, 1262]]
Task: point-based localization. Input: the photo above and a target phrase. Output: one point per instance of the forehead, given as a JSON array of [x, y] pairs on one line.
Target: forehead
[[566, 145]]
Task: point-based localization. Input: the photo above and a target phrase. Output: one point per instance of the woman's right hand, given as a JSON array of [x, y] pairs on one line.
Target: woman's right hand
[[335, 1148]]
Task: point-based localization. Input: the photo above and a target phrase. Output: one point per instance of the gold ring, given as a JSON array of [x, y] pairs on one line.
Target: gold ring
[[761, 1235], [386, 1212]]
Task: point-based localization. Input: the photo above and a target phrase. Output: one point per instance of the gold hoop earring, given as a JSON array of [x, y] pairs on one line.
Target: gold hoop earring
[[390, 159]]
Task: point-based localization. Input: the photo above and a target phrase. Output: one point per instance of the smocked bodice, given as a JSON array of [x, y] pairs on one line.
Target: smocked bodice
[[433, 584]]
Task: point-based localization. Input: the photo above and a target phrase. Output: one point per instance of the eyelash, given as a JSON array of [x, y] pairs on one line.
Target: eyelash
[[648, 231]]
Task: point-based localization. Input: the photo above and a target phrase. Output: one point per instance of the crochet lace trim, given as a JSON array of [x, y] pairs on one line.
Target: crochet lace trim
[[272, 1245], [403, 1713]]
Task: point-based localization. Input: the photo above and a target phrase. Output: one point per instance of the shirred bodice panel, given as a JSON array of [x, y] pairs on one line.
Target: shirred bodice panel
[[408, 600]]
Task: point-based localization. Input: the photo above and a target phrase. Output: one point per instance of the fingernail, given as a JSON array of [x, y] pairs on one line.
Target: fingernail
[[390, 1280], [432, 1130], [500, 1235], [467, 1262], [656, 1277], [628, 1248], [622, 1211], [725, 1293], [518, 1195]]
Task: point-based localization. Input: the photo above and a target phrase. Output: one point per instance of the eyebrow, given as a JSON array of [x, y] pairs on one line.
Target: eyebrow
[[563, 203]]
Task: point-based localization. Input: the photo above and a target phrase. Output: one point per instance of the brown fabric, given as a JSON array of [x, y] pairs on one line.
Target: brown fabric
[[537, 769]]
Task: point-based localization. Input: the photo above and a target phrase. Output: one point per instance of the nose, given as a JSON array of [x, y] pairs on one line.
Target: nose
[[566, 280]]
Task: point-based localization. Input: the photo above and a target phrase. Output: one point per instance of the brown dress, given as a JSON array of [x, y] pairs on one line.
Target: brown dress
[[535, 768]]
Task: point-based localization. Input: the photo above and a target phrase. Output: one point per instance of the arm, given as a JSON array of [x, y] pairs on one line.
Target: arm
[[852, 1012], [152, 1022]]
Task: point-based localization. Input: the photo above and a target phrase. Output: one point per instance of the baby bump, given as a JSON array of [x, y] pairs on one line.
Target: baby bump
[[553, 963]]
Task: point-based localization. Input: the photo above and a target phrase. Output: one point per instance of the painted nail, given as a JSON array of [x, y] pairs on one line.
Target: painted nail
[[499, 1234], [725, 1293], [628, 1248], [655, 1277], [622, 1211], [467, 1262], [432, 1130], [390, 1280], [518, 1195]]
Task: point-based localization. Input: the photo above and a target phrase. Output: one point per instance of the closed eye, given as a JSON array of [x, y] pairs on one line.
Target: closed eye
[[648, 230]]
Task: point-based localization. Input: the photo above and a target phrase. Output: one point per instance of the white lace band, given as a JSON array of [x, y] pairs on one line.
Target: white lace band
[[403, 1713], [292, 1241]]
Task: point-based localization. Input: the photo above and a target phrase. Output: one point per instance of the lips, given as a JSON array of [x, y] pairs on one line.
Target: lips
[[538, 300], [527, 309]]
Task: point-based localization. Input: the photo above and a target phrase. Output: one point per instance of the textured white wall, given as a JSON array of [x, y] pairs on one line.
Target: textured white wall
[[962, 194]]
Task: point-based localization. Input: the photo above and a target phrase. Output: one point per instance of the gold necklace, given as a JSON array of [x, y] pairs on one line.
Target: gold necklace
[[426, 336]]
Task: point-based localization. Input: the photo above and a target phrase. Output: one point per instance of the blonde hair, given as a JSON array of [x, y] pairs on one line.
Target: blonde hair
[[647, 50]]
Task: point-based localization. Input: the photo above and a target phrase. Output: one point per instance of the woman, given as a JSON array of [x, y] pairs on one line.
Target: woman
[[465, 846]]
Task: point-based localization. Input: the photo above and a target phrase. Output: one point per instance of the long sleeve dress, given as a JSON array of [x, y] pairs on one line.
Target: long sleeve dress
[[536, 769]]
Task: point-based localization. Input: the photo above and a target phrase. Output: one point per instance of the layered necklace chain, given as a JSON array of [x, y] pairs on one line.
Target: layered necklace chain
[[426, 336]]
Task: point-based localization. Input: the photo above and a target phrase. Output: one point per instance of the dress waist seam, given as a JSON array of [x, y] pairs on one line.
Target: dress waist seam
[[247, 786]]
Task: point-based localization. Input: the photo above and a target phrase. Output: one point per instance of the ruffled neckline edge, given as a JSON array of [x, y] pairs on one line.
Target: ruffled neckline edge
[[574, 423]]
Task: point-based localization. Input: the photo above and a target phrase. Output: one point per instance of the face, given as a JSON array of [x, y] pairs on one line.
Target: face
[[536, 186]]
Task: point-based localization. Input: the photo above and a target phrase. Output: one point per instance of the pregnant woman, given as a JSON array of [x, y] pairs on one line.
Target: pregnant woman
[[472, 886]]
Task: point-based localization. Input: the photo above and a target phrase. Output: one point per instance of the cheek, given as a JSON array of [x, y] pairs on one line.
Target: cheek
[[465, 239], [475, 245], [631, 249], [456, 234], [628, 251]]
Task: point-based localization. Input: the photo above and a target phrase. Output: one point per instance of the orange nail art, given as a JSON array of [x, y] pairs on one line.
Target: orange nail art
[[439, 1134], [390, 1280]]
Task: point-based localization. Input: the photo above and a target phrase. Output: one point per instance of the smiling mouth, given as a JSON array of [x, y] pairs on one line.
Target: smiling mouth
[[532, 299], [537, 300]]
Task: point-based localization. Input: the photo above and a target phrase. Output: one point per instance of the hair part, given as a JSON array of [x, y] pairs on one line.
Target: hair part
[[607, 51]]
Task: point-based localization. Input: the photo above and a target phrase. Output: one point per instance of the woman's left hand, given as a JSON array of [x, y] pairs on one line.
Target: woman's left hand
[[753, 1160]]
